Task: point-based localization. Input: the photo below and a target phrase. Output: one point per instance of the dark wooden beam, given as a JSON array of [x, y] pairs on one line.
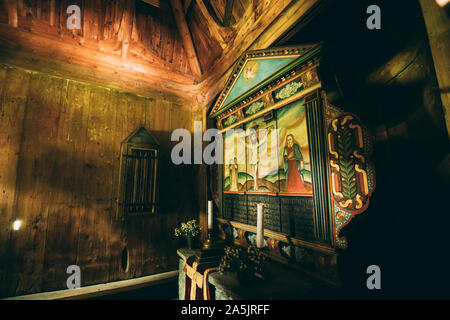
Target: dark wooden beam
[[127, 26], [145, 75], [228, 13], [155, 3], [220, 34], [437, 23], [186, 37], [11, 7], [186, 5], [52, 12], [304, 21], [160, 4], [103, 289]]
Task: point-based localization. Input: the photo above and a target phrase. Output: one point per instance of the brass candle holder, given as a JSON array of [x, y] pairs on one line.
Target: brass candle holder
[[209, 243], [211, 249]]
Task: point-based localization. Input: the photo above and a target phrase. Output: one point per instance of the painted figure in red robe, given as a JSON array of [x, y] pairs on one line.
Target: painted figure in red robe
[[293, 165]]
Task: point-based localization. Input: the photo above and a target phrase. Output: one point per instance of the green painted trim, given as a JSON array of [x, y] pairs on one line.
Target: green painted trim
[[331, 230], [318, 157], [283, 237], [310, 54]]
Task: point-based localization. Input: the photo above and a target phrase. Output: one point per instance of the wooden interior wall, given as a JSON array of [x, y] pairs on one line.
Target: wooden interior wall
[[142, 43], [153, 32], [59, 163]]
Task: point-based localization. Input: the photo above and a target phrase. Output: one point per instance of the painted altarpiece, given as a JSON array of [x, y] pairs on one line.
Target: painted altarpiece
[[286, 146]]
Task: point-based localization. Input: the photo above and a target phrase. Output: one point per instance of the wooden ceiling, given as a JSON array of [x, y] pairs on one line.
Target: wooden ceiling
[[176, 48]]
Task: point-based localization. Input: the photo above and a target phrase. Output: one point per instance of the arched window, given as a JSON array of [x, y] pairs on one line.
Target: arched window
[[138, 178]]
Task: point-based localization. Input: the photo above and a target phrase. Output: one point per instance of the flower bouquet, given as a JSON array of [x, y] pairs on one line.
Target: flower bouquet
[[190, 230], [248, 263]]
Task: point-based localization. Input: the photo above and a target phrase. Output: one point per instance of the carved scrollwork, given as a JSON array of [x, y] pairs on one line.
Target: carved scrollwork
[[352, 175]]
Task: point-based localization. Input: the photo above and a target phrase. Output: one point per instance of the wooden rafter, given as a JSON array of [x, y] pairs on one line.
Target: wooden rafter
[[141, 73], [221, 34], [127, 26], [186, 37], [252, 36], [228, 13], [186, 5], [155, 3], [161, 4], [52, 12], [438, 28], [100, 47], [11, 7]]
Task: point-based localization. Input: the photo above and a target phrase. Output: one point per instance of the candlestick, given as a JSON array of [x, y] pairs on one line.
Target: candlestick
[[210, 215], [260, 226]]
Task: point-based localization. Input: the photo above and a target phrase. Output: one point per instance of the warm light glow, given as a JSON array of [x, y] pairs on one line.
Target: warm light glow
[[17, 224], [442, 3], [134, 67]]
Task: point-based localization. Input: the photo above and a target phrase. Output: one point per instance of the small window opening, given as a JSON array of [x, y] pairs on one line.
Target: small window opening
[[139, 174]]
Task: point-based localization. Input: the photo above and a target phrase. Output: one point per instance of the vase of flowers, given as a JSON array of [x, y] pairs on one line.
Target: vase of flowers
[[190, 242], [247, 263], [189, 230]]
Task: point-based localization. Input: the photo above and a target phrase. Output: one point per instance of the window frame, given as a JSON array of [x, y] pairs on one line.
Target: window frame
[[127, 148]]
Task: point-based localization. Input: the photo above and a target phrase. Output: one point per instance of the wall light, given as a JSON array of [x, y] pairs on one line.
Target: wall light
[[442, 3], [17, 224]]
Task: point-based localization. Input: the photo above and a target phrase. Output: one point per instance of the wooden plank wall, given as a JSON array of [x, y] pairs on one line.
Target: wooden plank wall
[[12, 108], [142, 43], [59, 162], [153, 32]]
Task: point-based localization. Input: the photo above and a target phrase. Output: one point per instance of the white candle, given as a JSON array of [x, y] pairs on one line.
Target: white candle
[[210, 215], [260, 226]]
